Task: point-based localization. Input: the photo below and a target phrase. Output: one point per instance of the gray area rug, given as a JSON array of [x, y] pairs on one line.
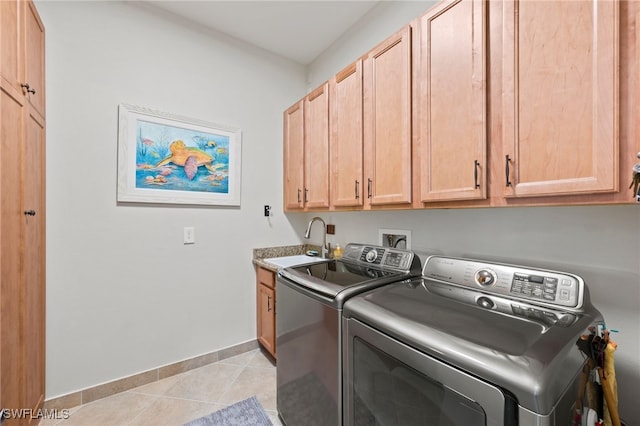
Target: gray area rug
[[244, 413]]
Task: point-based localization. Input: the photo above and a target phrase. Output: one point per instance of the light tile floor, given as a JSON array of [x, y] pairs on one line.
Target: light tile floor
[[178, 399]]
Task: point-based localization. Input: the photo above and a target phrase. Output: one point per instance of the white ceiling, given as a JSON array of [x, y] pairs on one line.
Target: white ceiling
[[297, 30]]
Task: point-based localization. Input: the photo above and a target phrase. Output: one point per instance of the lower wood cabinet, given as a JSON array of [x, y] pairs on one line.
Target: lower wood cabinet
[[266, 309]]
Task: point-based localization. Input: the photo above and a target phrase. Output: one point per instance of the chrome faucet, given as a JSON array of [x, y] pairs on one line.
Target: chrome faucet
[[325, 249]]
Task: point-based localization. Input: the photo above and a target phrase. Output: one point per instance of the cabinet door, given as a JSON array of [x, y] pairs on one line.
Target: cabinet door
[[267, 318], [11, 58], [451, 95], [294, 156], [387, 120], [34, 57], [34, 260], [316, 148], [11, 225], [346, 142], [560, 102]]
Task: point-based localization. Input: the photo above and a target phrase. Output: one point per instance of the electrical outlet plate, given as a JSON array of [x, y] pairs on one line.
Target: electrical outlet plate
[[189, 235], [398, 238]]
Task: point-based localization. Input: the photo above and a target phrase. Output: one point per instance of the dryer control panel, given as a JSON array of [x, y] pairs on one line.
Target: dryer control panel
[[544, 287]]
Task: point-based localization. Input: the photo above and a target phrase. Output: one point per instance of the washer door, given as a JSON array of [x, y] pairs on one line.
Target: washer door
[[389, 383]]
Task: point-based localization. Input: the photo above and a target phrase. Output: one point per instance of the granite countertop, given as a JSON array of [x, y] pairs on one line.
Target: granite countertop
[[259, 254]]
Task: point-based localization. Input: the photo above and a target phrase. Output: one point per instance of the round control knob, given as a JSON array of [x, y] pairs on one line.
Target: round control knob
[[485, 302], [371, 256], [485, 277]]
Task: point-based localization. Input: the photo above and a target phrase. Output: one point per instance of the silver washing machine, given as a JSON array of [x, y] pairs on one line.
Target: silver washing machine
[[309, 301]]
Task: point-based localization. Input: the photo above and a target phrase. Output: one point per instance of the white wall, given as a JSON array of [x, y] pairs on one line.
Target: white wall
[[124, 294], [381, 21], [600, 243]]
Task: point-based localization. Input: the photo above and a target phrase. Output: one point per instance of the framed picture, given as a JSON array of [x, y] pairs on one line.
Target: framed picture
[[165, 158]]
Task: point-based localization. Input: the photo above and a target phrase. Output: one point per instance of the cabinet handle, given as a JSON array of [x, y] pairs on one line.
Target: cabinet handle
[[507, 160], [306, 195], [357, 189], [476, 164], [30, 213], [29, 89], [298, 195], [369, 183], [268, 303]]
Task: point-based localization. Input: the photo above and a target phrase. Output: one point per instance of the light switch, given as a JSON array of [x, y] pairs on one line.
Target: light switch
[[189, 235]]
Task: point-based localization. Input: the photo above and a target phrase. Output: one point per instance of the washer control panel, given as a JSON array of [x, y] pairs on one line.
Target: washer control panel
[[545, 287]]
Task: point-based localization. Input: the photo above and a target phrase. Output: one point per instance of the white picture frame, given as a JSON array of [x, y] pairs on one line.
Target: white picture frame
[[169, 159]]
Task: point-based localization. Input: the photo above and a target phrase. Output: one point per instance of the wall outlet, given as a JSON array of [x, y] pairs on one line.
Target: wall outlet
[[331, 229], [189, 235]]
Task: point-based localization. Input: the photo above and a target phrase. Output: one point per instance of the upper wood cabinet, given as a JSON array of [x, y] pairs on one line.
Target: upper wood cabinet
[[560, 97], [387, 121], [22, 51], [316, 148], [346, 141], [11, 40], [476, 104], [450, 86], [306, 152], [34, 58], [294, 156]]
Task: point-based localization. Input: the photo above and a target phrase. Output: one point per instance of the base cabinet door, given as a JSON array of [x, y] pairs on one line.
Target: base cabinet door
[[560, 102], [266, 313]]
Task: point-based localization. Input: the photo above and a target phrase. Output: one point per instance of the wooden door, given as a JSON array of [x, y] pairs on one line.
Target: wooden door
[[34, 260], [266, 311], [34, 58], [451, 96], [387, 120], [316, 148], [560, 101], [267, 318], [11, 225], [294, 157], [11, 59], [346, 141]]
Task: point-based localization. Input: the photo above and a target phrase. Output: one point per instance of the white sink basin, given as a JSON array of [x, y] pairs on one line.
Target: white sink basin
[[287, 261]]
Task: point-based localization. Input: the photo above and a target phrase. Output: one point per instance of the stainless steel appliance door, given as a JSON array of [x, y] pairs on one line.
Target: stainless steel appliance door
[[309, 386], [389, 383]]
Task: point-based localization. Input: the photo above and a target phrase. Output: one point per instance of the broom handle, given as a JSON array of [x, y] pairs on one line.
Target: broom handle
[[608, 397]]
